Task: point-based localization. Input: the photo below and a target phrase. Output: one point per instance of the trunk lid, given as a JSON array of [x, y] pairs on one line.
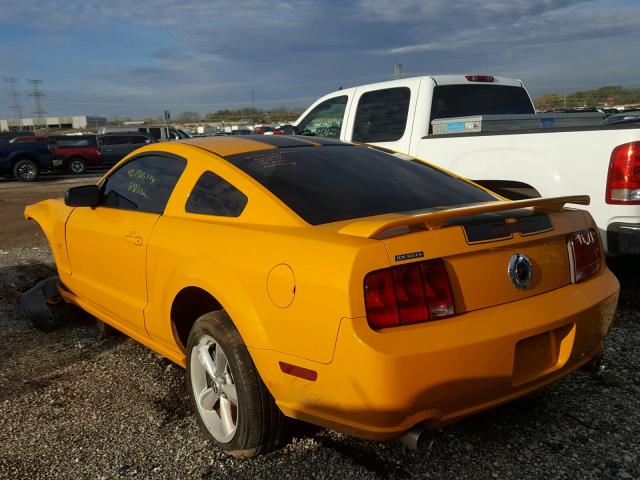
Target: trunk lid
[[485, 246]]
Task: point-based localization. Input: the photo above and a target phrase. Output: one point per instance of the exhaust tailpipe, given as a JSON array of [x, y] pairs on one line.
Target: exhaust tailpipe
[[413, 438], [595, 367]]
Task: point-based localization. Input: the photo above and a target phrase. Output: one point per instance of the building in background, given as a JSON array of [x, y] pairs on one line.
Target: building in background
[[71, 122]]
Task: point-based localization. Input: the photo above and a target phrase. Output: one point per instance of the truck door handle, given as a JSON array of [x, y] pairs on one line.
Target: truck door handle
[[133, 239]]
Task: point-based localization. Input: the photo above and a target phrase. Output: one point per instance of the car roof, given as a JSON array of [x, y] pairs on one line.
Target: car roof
[[232, 145]]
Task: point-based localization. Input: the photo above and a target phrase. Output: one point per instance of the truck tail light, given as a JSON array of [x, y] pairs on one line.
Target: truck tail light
[[623, 181], [585, 256], [413, 293], [480, 78]]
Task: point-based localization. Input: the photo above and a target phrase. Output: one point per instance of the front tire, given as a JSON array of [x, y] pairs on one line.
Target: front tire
[[232, 404], [26, 170], [77, 165]]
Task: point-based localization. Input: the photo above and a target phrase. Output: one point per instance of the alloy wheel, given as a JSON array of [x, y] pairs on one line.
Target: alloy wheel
[[214, 389]]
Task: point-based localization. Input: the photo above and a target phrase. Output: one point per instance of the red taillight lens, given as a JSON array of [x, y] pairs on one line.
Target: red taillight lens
[[412, 293], [585, 254], [480, 78], [380, 298], [623, 181], [438, 289]]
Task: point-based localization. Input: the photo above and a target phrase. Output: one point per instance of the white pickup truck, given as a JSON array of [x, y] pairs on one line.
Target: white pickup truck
[[602, 161]]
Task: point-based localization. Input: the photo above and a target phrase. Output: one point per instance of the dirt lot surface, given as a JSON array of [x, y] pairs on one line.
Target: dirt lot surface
[[77, 404]]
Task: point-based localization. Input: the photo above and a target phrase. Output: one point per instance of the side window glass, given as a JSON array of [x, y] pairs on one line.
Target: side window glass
[[116, 139], [143, 184], [326, 119], [138, 139], [156, 133], [213, 195], [382, 115]]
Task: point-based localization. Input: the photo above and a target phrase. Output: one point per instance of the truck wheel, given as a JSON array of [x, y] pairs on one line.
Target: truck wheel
[[232, 404], [77, 165], [26, 170]]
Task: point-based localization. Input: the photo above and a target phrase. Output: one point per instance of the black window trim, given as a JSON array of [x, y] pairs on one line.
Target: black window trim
[[157, 153]]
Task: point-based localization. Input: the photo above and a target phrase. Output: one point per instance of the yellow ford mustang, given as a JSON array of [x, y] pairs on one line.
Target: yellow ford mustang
[[333, 283]]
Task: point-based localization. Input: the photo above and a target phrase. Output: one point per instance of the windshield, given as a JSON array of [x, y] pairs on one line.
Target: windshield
[[467, 100], [342, 182]]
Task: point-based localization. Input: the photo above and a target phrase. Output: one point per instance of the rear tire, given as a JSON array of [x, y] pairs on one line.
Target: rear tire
[[232, 404], [26, 170], [76, 165]]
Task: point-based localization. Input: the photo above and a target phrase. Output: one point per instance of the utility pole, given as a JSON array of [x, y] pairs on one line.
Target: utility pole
[[39, 112], [397, 71], [253, 107], [14, 104]]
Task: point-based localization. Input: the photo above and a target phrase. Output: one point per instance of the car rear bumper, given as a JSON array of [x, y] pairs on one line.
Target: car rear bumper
[[380, 384], [623, 238]]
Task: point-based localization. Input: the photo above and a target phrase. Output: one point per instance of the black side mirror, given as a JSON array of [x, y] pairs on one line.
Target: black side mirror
[[83, 196]]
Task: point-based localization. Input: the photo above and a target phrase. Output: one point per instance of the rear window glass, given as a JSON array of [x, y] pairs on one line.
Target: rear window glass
[[333, 183], [467, 100], [76, 142]]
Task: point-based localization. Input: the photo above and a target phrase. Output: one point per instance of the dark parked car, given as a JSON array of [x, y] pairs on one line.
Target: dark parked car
[[25, 160], [28, 138], [76, 151], [115, 146]]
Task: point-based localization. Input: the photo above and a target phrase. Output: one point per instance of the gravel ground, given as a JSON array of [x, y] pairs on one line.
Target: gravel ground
[[77, 404]]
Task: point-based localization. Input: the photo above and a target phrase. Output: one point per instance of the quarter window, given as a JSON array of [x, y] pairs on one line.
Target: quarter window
[[382, 115], [143, 184], [326, 119], [213, 195]]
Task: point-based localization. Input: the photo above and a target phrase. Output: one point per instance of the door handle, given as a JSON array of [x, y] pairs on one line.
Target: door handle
[[133, 239]]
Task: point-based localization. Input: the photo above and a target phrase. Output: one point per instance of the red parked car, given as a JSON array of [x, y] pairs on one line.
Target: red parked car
[[76, 152]]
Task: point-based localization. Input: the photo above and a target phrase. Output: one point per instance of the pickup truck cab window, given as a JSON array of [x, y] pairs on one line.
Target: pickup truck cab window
[[143, 184], [213, 195], [382, 115], [326, 119]]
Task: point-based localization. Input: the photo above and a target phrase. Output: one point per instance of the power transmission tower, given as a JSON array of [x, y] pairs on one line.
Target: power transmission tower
[[39, 112], [14, 104]]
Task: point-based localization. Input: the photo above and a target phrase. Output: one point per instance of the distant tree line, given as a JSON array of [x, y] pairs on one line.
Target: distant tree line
[[240, 115], [599, 97]]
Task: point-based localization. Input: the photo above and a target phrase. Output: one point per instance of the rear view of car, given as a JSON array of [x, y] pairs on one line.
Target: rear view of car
[[354, 289]]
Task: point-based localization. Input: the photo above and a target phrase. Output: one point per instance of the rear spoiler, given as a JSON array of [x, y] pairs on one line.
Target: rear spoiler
[[373, 227]]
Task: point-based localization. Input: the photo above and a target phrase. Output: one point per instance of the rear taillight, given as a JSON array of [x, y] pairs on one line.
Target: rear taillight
[[413, 293], [480, 78], [623, 181], [584, 254]]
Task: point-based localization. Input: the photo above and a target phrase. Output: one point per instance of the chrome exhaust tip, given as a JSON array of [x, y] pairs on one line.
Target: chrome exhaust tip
[[413, 438]]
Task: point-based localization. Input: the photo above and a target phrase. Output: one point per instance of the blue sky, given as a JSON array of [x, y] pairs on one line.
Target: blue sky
[[118, 57]]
